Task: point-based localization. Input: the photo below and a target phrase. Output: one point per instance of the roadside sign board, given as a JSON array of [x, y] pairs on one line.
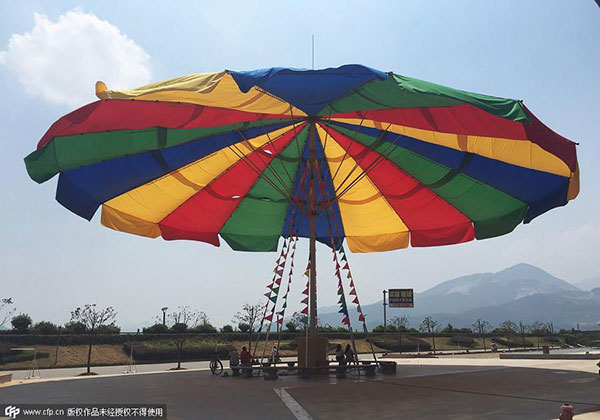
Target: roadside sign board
[[401, 298]]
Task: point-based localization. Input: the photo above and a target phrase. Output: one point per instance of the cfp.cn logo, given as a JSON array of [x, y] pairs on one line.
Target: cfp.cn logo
[[12, 412]]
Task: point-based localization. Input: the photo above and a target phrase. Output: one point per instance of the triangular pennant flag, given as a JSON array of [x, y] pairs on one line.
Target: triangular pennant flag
[[304, 311], [280, 321], [358, 309], [273, 298], [355, 300], [278, 281], [337, 266], [305, 291], [340, 292], [346, 266], [341, 300], [284, 305], [275, 290], [343, 311], [337, 272], [268, 294], [339, 283], [270, 286], [352, 283], [305, 301], [307, 272], [269, 317], [346, 320], [352, 292], [343, 255], [361, 318], [279, 272], [349, 276]]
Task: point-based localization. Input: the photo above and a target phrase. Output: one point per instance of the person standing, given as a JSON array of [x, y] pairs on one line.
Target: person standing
[[339, 355]]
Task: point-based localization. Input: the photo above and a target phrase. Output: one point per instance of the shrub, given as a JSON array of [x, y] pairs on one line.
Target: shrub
[[168, 353], [45, 327], [178, 328], [243, 327], [511, 343], [408, 344], [291, 326], [204, 328], [156, 329], [75, 327], [463, 340], [21, 323], [15, 356], [108, 329], [227, 329]]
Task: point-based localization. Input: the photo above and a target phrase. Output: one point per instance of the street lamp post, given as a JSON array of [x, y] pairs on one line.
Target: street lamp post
[[384, 315], [164, 311]]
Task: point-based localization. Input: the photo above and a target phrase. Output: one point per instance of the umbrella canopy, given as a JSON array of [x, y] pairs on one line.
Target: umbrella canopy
[[388, 161]]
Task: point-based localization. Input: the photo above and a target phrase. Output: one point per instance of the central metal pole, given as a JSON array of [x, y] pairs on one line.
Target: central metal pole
[[313, 234], [384, 316]]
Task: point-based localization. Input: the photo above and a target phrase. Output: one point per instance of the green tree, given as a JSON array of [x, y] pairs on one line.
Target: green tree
[[291, 326], [401, 325], [227, 329], [93, 319], [431, 327], [248, 315], [6, 310], [539, 328], [482, 327], [21, 323], [523, 331]]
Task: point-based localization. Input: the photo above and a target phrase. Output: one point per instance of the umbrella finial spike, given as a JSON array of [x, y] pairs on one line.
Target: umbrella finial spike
[[101, 90]]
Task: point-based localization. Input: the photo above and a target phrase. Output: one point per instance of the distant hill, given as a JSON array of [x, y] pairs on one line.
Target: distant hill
[[522, 292], [588, 284]]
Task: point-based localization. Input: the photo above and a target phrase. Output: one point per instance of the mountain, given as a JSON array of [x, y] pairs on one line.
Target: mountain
[[522, 292], [588, 284]]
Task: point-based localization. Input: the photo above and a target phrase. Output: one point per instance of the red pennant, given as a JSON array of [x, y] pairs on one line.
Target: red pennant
[[305, 292], [279, 272], [337, 266], [361, 318], [346, 266], [278, 281], [280, 320], [269, 317], [270, 286], [352, 292], [268, 294], [352, 283], [346, 321], [355, 300], [305, 301], [304, 311], [337, 273], [339, 284], [358, 309]]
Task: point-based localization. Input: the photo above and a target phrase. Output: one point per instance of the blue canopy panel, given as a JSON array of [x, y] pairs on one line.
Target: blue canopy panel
[[542, 191], [323, 222], [308, 90], [83, 190]]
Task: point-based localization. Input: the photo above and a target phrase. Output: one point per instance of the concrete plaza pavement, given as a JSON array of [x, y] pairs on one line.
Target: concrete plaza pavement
[[458, 388]]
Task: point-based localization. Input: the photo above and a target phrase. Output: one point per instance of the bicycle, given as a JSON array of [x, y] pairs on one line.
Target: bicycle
[[216, 366]]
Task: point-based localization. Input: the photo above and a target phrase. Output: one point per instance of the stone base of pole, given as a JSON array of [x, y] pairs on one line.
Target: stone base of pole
[[317, 363]]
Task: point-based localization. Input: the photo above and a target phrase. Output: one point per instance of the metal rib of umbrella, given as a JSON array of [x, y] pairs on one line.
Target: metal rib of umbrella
[[398, 161]]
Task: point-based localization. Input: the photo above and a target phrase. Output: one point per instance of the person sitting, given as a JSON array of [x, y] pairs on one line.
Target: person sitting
[[245, 357], [349, 354], [234, 361], [339, 355]]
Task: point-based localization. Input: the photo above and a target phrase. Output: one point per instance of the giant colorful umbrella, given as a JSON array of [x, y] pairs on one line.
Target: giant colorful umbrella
[[249, 157]]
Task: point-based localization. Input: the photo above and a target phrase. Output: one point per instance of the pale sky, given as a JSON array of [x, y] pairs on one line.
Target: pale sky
[[51, 53]]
